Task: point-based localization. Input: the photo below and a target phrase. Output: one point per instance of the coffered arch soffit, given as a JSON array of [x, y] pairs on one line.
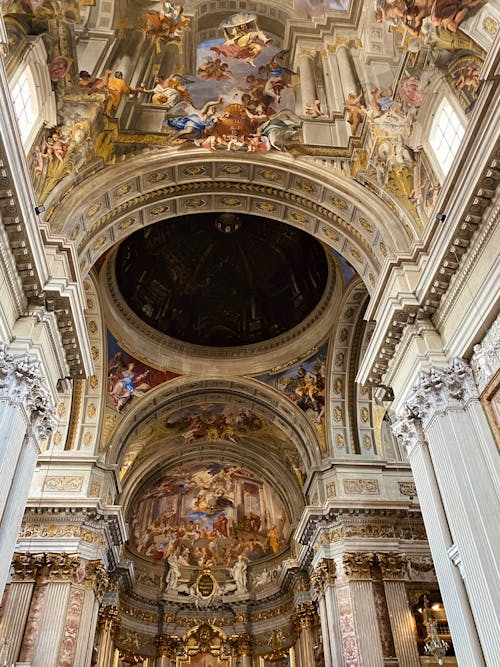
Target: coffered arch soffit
[[337, 210], [290, 428]]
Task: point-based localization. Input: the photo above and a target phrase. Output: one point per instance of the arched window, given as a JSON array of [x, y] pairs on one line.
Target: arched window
[[446, 134], [31, 91], [25, 104]]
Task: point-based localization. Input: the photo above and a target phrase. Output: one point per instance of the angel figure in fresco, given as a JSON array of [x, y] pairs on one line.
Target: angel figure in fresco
[[244, 39], [213, 69], [412, 13], [196, 122], [468, 76], [167, 24], [313, 109], [124, 383]]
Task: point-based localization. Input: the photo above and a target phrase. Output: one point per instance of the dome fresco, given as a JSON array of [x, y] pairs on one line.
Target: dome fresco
[[209, 514], [221, 279]]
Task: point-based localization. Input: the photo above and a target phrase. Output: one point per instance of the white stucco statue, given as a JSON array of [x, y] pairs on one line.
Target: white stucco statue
[[239, 574]]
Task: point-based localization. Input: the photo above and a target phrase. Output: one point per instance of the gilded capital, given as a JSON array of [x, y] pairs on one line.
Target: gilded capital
[[392, 566], [358, 565], [61, 567], [96, 577], [26, 566], [324, 575], [244, 644], [167, 646], [108, 618]]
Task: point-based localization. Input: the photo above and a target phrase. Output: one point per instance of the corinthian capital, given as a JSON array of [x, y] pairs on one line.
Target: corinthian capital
[[407, 428], [22, 382], [436, 391], [392, 566], [358, 565]]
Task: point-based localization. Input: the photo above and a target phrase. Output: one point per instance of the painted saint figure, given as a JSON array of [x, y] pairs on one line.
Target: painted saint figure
[[244, 39]]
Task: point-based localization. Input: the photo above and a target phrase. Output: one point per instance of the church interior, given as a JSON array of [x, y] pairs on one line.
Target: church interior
[[250, 343]]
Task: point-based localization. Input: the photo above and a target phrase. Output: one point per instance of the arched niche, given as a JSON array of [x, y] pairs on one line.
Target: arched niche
[[247, 394]]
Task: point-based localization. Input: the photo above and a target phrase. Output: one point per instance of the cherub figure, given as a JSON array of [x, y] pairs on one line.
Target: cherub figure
[[355, 111]]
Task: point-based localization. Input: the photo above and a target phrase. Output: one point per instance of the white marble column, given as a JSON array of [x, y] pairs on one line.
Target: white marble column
[[401, 618], [358, 569], [334, 625], [324, 581], [85, 614], [467, 471], [323, 617], [408, 429], [26, 416]]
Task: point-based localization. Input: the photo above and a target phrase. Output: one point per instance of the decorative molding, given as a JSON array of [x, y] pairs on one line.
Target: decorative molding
[[365, 487], [407, 489], [61, 483]]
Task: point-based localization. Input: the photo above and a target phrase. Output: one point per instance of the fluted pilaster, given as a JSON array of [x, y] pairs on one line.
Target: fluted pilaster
[[14, 615], [392, 567], [463, 630], [358, 569]]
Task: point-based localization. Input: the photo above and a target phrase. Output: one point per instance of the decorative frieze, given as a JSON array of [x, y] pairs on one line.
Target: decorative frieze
[[407, 489], [364, 487]]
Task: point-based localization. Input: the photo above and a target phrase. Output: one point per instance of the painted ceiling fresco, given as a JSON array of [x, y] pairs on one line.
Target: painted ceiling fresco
[[209, 515], [212, 422], [132, 74]]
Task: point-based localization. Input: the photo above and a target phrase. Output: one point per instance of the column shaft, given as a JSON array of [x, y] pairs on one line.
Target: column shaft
[[366, 624], [307, 80], [14, 507], [472, 515], [14, 616], [325, 630], [402, 624], [52, 623], [332, 611], [349, 78], [86, 629]]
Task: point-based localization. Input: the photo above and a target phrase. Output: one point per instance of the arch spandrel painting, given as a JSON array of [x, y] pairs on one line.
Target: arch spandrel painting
[[208, 515], [304, 383], [128, 380]]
